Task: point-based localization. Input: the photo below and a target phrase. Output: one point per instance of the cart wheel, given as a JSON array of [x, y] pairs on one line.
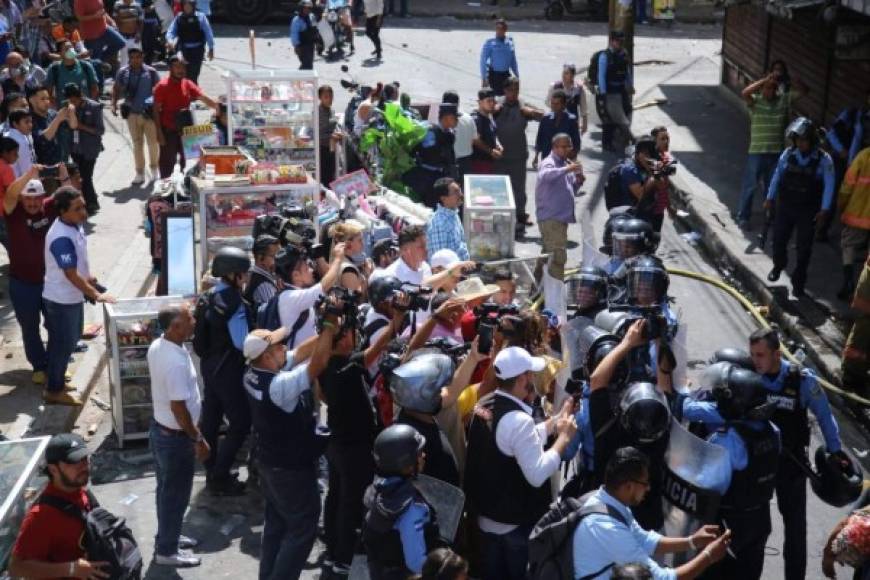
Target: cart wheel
[[554, 11]]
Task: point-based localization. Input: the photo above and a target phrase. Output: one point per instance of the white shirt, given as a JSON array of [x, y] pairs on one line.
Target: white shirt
[[465, 132], [291, 304], [371, 316], [56, 287], [517, 436], [25, 151], [173, 378], [407, 275], [374, 7]]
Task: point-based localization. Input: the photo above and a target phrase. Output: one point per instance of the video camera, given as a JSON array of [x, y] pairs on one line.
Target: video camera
[[418, 296], [291, 225], [490, 311], [449, 347], [656, 324], [659, 169], [341, 302]]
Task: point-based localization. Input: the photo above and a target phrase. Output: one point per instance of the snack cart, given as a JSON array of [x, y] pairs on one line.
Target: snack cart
[[489, 217], [131, 326]]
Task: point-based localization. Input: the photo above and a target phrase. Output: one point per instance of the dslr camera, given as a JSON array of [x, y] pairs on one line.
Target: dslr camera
[[418, 296], [659, 169], [449, 347], [656, 324], [341, 302]]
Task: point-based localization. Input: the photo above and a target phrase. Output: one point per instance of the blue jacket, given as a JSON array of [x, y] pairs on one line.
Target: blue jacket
[[499, 55]]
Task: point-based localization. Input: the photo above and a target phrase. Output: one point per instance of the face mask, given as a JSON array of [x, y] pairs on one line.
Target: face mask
[[358, 259], [70, 54]]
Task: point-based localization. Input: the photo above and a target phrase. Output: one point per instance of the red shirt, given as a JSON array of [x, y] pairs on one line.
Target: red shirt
[[90, 29], [468, 323], [173, 96], [49, 535], [27, 241]]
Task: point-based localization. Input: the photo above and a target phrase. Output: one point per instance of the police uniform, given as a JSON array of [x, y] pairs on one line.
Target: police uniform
[[793, 391], [856, 355], [193, 33], [436, 158], [802, 185], [498, 59], [225, 322], [614, 82]]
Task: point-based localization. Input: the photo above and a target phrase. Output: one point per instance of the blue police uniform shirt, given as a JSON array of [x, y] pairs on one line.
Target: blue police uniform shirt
[[410, 526], [825, 171], [238, 322], [857, 126], [602, 73], [812, 397], [205, 26], [499, 55], [583, 441], [297, 26]]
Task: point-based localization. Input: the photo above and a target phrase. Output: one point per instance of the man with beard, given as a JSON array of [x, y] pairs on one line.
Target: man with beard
[[49, 541]]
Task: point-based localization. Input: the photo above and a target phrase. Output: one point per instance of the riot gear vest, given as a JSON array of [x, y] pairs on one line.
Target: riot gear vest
[[790, 415], [220, 307], [801, 185], [189, 30], [285, 440], [383, 544], [440, 156], [493, 480], [617, 71], [753, 486], [254, 282]]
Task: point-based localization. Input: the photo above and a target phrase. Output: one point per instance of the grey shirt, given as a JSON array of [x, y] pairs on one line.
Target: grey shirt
[[89, 113], [136, 87], [511, 130]]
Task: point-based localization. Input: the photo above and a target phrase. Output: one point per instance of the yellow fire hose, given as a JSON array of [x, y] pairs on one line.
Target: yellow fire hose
[[754, 311]]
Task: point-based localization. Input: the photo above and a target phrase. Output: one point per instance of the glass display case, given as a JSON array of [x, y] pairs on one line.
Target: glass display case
[[19, 486], [273, 114], [226, 213], [131, 326], [489, 217]]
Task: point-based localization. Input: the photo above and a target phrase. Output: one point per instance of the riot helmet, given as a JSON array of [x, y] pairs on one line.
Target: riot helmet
[[617, 216], [644, 412], [837, 484], [633, 237], [733, 355], [587, 288], [742, 395], [230, 260], [417, 384], [647, 281], [802, 128], [287, 259], [383, 288], [595, 344], [396, 449]]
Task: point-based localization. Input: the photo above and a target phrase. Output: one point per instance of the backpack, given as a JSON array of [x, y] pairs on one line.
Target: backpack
[[551, 543], [106, 539], [269, 318], [200, 329], [615, 194], [592, 71]]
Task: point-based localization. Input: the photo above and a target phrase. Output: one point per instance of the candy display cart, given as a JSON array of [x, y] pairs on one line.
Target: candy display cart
[[273, 114], [489, 217], [20, 482], [131, 328]]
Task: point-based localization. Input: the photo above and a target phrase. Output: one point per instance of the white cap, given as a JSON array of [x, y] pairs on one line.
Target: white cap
[[33, 188], [254, 346], [443, 258], [514, 361]]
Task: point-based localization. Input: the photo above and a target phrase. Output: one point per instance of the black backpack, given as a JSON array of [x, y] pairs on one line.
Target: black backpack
[[106, 539], [269, 318], [551, 543], [592, 71], [200, 329], [615, 195]]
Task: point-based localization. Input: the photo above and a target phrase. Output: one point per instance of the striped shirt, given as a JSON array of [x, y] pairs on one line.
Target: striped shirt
[[767, 121]]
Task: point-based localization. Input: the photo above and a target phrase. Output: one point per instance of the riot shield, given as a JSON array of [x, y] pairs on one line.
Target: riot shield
[[574, 349], [448, 501], [359, 568], [697, 474], [592, 256]]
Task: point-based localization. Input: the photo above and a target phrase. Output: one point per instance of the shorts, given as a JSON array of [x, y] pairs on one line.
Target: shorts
[[854, 243]]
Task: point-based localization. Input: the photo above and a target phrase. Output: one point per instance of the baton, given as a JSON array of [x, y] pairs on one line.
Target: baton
[[768, 223]]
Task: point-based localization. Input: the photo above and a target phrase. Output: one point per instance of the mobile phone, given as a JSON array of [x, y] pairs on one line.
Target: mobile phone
[[49, 171], [484, 338]]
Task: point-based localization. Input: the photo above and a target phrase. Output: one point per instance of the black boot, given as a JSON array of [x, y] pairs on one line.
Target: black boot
[[848, 287]]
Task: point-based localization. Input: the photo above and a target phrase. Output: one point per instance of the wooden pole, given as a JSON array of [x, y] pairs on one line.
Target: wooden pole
[[251, 46]]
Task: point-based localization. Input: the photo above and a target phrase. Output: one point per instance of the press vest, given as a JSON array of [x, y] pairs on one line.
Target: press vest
[[617, 71], [790, 415], [494, 481], [801, 184], [221, 306], [253, 283], [189, 30], [439, 157], [753, 486]]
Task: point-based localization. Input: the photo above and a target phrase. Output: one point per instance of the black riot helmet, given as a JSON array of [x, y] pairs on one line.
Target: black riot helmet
[[617, 215], [594, 344], [802, 128], [647, 281], [733, 355], [396, 449], [287, 259], [644, 412], [417, 384], [230, 260], [587, 288], [742, 395], [633, 237], [383, 288], [836, 483]]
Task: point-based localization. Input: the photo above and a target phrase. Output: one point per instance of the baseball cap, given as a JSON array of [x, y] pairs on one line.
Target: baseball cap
[[514, 361], [66, 448], [443, 258], [33, 188], [255, 344]]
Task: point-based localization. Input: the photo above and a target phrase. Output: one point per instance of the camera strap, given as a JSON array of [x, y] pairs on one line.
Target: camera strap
[[297, 326]]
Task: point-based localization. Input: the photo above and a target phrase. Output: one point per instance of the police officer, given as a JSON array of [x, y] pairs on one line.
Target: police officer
[[587, 291], [615, 87], [631, 237], [284, 416], [223, 320], [435, 156], [794, 390], [303, 34], [262, 284], [803, 188], [190, 33], [738, 418], [498, 59], [400, 526]]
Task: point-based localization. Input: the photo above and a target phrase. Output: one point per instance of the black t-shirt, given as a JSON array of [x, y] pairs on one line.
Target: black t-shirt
[[350, 416], [440, 459], [47, 150], [486, 130]]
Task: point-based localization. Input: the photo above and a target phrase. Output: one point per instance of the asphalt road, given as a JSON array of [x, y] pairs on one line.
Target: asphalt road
[[427, 57]]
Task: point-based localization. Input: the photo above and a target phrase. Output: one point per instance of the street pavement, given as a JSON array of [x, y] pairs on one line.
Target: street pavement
[[428, 56]]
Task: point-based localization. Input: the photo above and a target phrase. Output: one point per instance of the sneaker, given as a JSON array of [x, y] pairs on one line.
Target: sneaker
[[61, 398], [774, 275], [187, 542], [178, 560], [139, 179]]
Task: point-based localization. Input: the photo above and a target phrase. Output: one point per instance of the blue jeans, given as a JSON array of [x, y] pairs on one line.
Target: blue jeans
[[759, 167], [175, 459], [506, 556], [64, 323], [106, 46], [290, 526], [27, 303]]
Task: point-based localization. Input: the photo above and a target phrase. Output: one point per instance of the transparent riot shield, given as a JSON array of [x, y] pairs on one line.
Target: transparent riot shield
[[448, 501]]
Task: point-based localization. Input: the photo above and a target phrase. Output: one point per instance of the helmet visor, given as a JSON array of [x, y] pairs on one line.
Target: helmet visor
[[626, 245], [645, 286], [585, 291]]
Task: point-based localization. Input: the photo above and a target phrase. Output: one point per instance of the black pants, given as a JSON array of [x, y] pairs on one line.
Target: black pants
[[373, 31], [515, 169], [223, 395], [305, 52], [327, 166], [151, 41], [497, 79], [749, 533], [86, 168], [170, 152], [791, 499], [194, 57], [351, 470], [800, 219]]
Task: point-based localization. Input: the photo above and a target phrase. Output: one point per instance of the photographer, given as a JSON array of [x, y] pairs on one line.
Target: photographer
[[351, 420], [262, 284], [296, 301], [384, 253], [136, 82], [663, 186]]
